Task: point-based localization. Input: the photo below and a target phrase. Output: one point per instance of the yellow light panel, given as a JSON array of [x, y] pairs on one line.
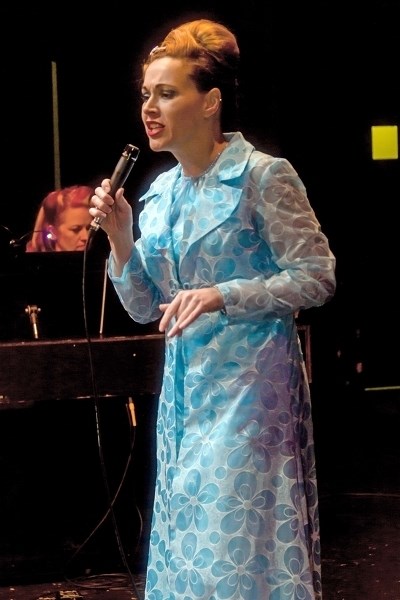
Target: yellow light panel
[[384, 142]]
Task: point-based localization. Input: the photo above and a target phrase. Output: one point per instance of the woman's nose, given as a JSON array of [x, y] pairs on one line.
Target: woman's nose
[[149, 105]]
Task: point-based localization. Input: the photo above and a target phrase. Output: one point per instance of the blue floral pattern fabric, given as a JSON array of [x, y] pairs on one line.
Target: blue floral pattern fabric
[[235, 513]]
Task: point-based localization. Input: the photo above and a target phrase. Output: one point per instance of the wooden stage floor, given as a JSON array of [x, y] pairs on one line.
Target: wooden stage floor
[[360, 547]]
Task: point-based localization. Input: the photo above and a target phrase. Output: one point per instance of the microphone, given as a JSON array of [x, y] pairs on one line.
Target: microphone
[[120, 175]]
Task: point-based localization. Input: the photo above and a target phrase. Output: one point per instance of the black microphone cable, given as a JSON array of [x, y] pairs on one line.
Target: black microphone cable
[[118, 178]]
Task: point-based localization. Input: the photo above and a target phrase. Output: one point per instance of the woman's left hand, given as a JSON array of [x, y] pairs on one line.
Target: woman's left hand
[[187, 306]]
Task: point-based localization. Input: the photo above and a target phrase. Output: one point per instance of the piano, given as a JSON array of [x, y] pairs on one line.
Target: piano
[[49, 352], [52, 483]]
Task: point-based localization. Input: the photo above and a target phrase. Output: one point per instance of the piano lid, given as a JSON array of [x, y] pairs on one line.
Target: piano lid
[[60, 369]]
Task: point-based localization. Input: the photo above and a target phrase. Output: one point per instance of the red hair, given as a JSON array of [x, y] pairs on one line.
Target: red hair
[[56, 202]]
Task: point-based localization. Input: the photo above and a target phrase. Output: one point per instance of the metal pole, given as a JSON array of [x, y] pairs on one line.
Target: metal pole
[[56, 135]]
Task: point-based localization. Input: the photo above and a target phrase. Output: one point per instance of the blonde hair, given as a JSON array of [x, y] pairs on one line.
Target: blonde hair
[[213, 51]]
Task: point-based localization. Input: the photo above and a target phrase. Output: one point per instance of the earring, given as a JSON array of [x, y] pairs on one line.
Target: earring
[[49, 234]]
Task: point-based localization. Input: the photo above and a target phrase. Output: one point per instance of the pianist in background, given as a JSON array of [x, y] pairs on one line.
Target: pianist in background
[[63, 222]]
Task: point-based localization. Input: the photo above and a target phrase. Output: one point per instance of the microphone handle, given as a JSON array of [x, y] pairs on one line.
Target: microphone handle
[[119, 176]]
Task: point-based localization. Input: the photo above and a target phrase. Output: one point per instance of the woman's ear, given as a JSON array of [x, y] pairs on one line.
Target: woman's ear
[[213, 102]]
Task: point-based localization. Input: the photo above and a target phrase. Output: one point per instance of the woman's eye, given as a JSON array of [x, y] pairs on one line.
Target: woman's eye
[[167, 94], [162, 94]]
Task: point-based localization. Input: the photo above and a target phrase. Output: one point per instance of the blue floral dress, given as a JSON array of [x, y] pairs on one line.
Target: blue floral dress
[[236, 509]]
